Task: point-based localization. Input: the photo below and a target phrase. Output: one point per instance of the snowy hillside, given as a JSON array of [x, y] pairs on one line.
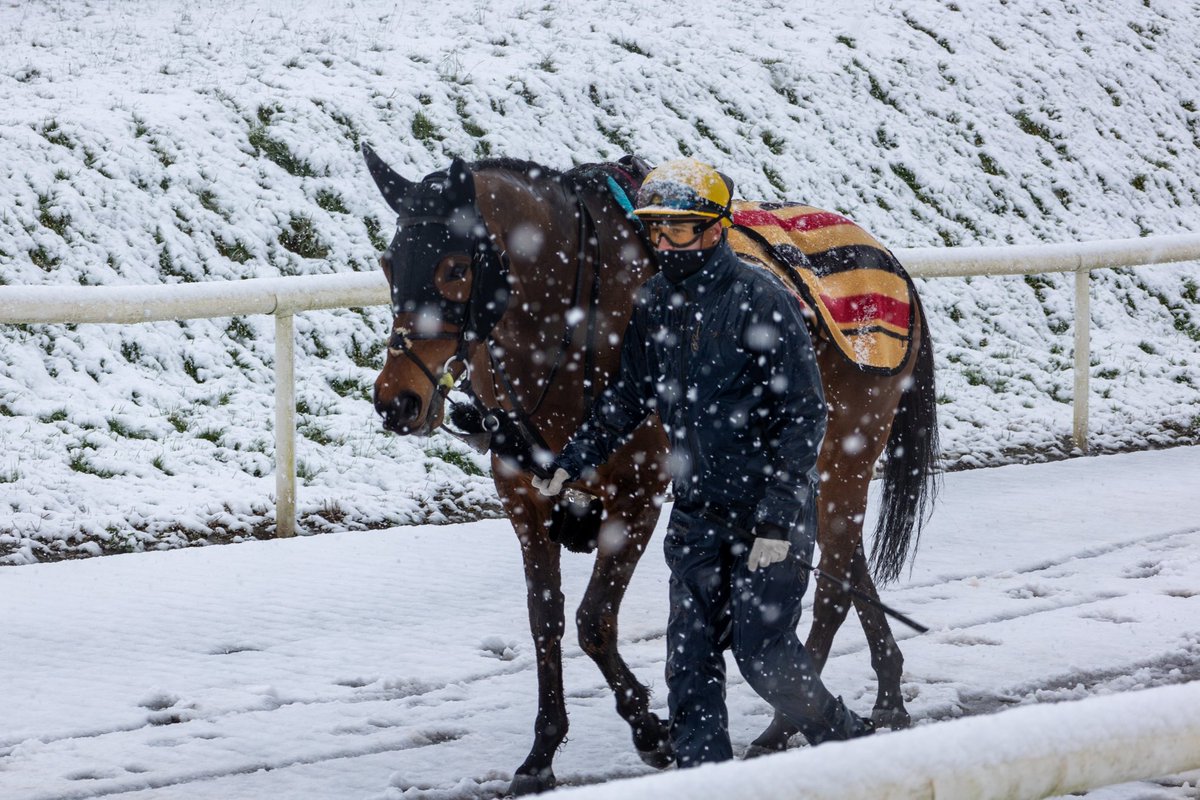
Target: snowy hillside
[[146, 142]]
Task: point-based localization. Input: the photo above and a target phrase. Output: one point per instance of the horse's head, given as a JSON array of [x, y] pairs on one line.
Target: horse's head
[[448, 286]]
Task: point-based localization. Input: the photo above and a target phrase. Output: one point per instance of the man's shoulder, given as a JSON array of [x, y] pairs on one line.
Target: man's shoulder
[[762, 283]]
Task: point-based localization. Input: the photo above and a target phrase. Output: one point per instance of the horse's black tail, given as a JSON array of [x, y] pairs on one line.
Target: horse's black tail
[[910, 484]]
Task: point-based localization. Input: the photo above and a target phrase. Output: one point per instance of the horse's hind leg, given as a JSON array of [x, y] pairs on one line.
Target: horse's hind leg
[[831, 603], [621, 546], [886, 658]]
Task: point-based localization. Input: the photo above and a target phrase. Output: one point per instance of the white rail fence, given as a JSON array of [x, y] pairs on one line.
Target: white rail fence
[[1022, 754], [285, 297]]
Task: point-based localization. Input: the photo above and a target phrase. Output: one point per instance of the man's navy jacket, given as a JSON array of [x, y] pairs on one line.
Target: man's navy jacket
[[725, 359]]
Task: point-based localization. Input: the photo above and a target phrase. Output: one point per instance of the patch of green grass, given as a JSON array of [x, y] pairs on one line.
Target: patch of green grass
[[468, 125], [166, 266], [331, 201], [350, 387], [707, 133], [239, 330], [237, 252], [305, 471], [1191, 291], [178, 421], [847, 41], [773, 142], [369, 356], [1138, 182], [1109, 373], [51, 219], [631, 47], [775, 179], [916, 26], [615, 137], [349, 129], [162, 155], [58, 415], [54, 135], [210, 435], [454, 458], [131, 351], [990, 166], [208, 199], [121, 429], [521, 90], [10, 475], [314, 433], [547, 65], [160, 464], [875, 88], [1147, 348], [424, 130], [375, 233], [79, 463], [905, 173], [301, 238], [278, 152], [192, 369], [1032, 127], [42, 259]]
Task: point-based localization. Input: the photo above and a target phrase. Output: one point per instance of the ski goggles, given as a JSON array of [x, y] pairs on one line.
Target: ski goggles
[[678, 233]]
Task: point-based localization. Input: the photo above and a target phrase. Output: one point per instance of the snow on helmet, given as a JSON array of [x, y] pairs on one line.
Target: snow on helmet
[[685, 187]]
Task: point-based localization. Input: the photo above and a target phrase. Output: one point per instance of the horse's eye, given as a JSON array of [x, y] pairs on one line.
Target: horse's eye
[[458, 272]]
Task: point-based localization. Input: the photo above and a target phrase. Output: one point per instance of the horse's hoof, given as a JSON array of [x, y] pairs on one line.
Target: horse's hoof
[[532, 783], [757, 750], [892, 718], [659, 757], [653, 743]]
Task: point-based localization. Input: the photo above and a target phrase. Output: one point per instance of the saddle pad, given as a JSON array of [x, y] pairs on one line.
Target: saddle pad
[[856, 290]]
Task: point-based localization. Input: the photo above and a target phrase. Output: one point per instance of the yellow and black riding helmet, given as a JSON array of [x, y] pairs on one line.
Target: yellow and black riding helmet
[[685, 188]]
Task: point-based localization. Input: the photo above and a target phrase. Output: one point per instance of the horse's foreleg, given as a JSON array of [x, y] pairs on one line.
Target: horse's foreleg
[[621, 547], [546, 622], [886, 658]]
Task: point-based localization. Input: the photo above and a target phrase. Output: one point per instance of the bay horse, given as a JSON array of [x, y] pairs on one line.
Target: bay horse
[[517, 281]]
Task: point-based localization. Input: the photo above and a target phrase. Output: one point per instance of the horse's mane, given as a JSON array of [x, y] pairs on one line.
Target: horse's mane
[[527, 169]]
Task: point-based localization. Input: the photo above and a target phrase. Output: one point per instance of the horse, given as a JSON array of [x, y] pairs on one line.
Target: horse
[[515, 282]]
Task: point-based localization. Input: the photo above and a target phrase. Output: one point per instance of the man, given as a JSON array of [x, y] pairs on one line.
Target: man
[[720, 351]]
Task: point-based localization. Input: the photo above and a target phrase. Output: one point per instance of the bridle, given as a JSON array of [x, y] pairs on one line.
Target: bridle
[[511, 432]]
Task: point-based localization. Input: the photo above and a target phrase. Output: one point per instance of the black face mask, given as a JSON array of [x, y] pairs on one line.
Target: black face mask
[[680, 264]]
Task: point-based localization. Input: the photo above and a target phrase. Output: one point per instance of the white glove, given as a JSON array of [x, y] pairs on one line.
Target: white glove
[[553, 485], [766, 552]]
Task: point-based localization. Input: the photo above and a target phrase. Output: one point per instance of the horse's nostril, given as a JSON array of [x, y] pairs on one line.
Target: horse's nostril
[[400, 413], [408, 406]]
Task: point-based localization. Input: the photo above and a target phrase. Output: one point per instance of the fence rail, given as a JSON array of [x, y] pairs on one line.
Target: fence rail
[[285, 297]]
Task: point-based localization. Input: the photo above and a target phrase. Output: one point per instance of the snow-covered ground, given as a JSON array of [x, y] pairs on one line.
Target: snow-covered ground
[[397, 664], [152, 142]]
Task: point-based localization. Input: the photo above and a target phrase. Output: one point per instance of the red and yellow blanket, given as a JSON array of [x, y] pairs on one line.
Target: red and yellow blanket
[[859, 295]]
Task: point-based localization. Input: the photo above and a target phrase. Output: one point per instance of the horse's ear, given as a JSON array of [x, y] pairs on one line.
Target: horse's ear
[[390, 183], [460, 189]]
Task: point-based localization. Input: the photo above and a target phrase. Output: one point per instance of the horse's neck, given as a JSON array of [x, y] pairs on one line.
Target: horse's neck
[[548, 283]]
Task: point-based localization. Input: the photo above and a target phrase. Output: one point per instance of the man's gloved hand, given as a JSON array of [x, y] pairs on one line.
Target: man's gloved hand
[[766, 552], [551, 486]]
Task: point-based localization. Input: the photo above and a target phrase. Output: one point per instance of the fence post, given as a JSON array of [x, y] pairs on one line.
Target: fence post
[[1083, 327], [285, 427]]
